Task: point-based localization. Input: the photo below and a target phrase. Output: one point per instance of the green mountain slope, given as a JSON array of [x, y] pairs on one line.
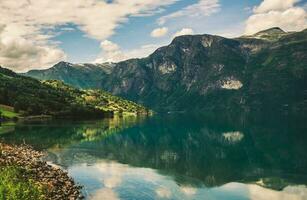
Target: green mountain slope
[[263, 72], [83, 76], [29, 96]]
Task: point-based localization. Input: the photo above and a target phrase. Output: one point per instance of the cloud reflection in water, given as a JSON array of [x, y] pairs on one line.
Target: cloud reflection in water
[[120, 181]]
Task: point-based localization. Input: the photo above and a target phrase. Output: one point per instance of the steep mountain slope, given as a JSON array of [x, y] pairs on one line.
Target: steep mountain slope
[[266, 71], [32, 97], [79, 75]]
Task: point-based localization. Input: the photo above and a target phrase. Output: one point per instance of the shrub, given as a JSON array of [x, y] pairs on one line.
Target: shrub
[[13, 186]]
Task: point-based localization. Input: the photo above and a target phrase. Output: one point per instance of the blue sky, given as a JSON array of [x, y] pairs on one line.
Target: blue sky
[[136, 31], [36, 34]]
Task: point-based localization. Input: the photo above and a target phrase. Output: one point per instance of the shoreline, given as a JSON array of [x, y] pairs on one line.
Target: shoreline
[[55, 181], [39, 118]]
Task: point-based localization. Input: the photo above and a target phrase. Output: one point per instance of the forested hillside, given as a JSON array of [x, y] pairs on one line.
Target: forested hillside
[[28, 96]]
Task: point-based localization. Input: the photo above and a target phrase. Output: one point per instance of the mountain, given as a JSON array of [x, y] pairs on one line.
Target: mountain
[[269, 34], [26, 96], [262, 72], [79, 75]]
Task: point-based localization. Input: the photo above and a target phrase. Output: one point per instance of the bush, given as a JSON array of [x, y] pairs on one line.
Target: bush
[[13, 186]]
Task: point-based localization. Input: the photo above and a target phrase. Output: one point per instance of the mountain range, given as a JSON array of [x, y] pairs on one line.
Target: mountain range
[[261, 72]]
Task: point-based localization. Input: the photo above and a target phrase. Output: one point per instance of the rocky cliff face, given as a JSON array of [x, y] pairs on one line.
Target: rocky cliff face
[[266, 71]]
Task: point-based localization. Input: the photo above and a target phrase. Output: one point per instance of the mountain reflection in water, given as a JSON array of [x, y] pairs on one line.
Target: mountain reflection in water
[[177, 156]]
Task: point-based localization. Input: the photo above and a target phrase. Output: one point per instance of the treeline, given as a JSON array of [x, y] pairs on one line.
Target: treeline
[[99, 99]]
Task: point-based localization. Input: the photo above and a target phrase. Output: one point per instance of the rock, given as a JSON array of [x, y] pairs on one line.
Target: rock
[[57, 182]]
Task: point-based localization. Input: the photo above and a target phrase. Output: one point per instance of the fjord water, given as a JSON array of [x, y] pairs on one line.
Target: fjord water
[[175, 156]]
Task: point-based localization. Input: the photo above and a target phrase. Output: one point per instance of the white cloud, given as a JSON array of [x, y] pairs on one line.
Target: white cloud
[[113, 181], [187, 190], [111, 52], [21, 54], [281, 13], [184, 31], [201, 8], [163, 193], [269, 5], [159, 32], [109, 46], [105, 193], [27, 20]]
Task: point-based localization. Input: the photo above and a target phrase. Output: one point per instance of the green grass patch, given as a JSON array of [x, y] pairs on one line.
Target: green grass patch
[[6, 129], [14, 186], [8, 112]]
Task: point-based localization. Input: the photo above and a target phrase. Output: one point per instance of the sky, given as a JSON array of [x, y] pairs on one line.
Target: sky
[[36, 34]]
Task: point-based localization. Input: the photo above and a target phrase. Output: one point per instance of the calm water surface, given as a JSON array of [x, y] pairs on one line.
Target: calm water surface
[[175, 157]]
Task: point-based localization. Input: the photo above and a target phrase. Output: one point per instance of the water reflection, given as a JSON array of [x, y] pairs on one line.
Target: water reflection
[[119, 181], [177, 157], [61, 134], [233, 137]]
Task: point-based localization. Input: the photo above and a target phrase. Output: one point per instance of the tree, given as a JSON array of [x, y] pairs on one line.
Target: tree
[[0, 116], [17, 106], [4, 96]]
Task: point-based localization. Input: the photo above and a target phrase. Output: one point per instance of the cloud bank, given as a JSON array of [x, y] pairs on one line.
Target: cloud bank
[[281, 13], [26, 26], [201, 8]]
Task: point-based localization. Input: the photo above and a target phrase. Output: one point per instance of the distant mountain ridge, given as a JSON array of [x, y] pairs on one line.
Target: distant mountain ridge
[[265, 71], [270, 34], [79, 75]]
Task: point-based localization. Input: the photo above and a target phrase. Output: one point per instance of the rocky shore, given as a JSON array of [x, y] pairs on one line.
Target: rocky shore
[[56, 182]]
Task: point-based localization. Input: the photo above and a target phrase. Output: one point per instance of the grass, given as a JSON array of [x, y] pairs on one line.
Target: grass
[[8, 112], [6, 129], [14, 186]]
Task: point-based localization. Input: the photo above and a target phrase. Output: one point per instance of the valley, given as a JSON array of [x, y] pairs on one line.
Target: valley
[[257, 73]]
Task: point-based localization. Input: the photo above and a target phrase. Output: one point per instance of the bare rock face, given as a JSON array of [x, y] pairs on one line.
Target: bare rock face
[[207, 42], [167, 68], [231, 83], [265, 71]]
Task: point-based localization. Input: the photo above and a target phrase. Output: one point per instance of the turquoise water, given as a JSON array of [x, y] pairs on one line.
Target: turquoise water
[[176, 156]]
